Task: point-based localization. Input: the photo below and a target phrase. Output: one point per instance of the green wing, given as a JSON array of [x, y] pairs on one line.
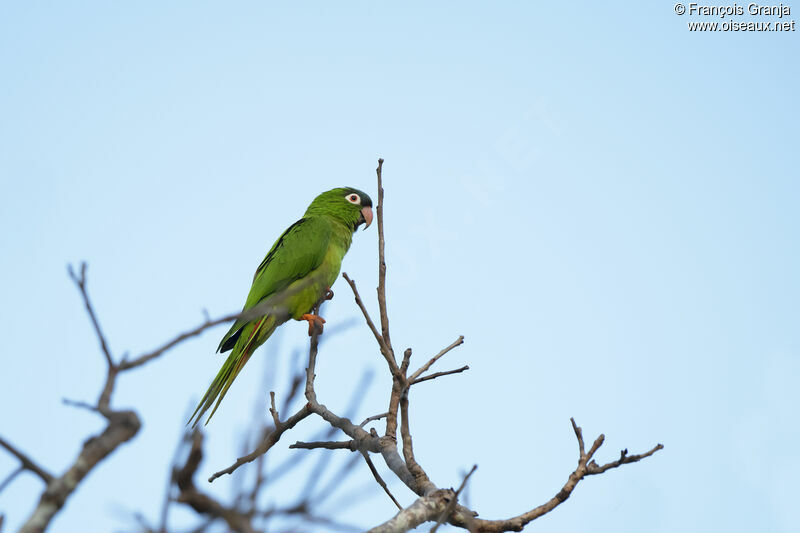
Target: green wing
[[298, 251]]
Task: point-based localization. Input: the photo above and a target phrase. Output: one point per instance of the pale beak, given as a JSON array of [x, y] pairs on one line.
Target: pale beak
[[366, 214]]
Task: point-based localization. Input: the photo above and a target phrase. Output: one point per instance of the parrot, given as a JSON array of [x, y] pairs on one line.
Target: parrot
[[297, 272]]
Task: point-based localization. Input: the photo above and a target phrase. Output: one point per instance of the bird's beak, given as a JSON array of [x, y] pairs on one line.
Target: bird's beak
[[366, 215]]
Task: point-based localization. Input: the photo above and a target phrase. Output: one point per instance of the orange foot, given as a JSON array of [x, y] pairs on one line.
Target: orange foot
[[314, 322]]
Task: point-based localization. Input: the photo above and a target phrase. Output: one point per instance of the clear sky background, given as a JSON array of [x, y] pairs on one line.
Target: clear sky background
[[604, 203]]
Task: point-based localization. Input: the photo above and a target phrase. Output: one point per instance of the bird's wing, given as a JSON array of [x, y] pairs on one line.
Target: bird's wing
[[297, 252]]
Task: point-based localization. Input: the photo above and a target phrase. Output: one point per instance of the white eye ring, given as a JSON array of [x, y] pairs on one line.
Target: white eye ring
[[353, 198]]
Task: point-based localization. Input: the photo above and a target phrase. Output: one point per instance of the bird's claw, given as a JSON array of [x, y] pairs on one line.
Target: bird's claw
[[315, 322]]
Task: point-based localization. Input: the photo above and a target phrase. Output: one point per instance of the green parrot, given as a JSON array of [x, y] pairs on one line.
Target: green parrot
[[298, 272]]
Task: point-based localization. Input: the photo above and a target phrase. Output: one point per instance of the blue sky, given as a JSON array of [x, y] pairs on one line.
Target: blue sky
[[603, 203]]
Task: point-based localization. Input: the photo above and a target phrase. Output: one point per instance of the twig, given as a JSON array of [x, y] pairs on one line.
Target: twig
[[272, 410], [452, 504], [379, 479], [593, 469], [11, 477], [439, 374], [80, 405], [363, 308], [385, 349], [458, 342], [406, 361], [149, 356], [463, 517], [327, 445], [578, 435], [268, 443], [274, 304], [80, 281], [382, 262], [200, 502], [372, 419], [27, 463]]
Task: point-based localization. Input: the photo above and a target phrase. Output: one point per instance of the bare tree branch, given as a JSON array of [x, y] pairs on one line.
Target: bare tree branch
[[268, 443], [458, 342], [592, 468], [80, 405], [122, 426], [272, 305], [27, 463], [423, 510], [421, 478], [9, 478], [439, 374], [372, 419], [385, 349], [462, 516], [382, 262], [379, 479], [452, 505], [80, 281], [272, 410], [327, 445], [200, 502]]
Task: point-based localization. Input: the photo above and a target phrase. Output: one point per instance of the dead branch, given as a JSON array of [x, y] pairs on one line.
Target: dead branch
[[458, 342], [26, 463], [326, 445], [451, 506], [122, 426], [463, 517], [272, 439], [420, 476], [425, 509], [372, 419], [384, 347], [382, 262], [200, 502], [272, 305], [379, 479], [80, 281], [9, 479], [439, 374]]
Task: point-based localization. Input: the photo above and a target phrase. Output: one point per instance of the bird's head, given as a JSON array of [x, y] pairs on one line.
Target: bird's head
[[351, 206]]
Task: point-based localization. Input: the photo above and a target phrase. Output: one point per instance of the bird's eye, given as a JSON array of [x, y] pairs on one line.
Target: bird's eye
[[353, 198]]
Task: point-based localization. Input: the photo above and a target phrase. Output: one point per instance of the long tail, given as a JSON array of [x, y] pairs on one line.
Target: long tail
[[245, 346]]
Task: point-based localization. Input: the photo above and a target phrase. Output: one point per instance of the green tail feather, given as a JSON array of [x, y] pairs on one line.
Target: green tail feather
[[230, 369]]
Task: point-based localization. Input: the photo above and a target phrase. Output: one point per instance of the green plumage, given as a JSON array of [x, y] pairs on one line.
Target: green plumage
[[296, 273]]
